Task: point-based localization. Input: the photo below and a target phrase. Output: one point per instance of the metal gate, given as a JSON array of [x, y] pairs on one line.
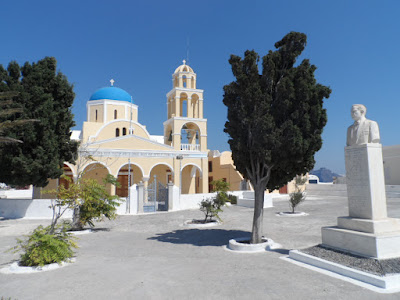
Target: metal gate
[[157, 197]]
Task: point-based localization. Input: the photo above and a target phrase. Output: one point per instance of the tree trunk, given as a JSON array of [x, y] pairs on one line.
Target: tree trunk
[[76, 220], [256, 234]]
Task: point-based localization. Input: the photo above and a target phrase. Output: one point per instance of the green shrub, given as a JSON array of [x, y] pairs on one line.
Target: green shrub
[[232, 199], [97, 202], [212, 207], [88, 199], [298, 195], [42, 247]]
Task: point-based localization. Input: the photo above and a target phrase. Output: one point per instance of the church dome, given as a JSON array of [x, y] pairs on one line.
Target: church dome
[[184, 68], [111, 93]]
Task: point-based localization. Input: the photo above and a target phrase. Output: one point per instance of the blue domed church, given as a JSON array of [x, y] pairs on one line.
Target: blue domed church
[[114, 142]]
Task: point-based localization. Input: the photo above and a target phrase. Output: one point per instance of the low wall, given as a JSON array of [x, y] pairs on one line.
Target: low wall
[[28, 208], [38, 209], [192, 201], [16, 194], [392, 191]]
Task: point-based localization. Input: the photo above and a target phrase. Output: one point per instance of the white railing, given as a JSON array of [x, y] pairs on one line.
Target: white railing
[[190, 147]]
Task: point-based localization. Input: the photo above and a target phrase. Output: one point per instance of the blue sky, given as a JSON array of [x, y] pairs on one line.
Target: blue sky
[[354, 44]]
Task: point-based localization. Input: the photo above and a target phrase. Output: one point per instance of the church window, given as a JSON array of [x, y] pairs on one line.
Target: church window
[[117, 132], [96, 114], [210, 166], [115, 114], [124, 131]]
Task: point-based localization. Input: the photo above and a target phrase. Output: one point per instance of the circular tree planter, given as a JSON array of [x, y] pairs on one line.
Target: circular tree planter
[[15, 268], [290, 214], [80, 232], [243, 245], [200, 224]]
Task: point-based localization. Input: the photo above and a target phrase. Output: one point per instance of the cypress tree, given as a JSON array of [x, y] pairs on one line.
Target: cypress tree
[[45, 95], [275, 119]]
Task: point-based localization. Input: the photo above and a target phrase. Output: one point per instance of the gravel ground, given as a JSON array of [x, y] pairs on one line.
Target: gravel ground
[[381, 267]]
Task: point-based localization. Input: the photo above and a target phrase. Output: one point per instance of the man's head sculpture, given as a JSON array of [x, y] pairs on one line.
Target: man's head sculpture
[[363, 131]]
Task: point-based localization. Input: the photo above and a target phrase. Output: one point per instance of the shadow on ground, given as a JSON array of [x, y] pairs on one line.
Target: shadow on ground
[[200, 237]]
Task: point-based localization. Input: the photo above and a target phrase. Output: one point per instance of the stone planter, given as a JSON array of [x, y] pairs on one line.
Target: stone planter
[[14, 268], [189, 224], [239, 246], [80, 232], [290, 214]]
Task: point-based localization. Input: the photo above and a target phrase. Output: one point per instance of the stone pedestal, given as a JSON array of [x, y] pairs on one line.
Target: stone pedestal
[[367, 231]]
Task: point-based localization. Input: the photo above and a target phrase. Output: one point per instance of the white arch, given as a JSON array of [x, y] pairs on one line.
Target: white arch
[[71, 166], [124, 164], [198, 127], [97, 162], [193, 164], [161, 163]]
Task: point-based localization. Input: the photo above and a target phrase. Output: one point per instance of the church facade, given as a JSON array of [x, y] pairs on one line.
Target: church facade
[[114, 142]]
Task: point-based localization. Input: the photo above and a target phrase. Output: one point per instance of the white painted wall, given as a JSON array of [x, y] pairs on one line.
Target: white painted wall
[[16, 194], [392, 191], [28, 208], [192, 201]]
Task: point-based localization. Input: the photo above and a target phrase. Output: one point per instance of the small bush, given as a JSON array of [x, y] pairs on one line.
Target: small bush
[[212, 207], [97, 202], [232, 199], [42, 247], [298, 195]]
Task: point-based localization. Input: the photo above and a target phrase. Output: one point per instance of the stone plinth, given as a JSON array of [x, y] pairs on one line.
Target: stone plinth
[[365, 181], [367, 231]]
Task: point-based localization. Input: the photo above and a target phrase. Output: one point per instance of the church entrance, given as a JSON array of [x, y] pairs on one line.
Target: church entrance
[[156, 194], [124, 180]]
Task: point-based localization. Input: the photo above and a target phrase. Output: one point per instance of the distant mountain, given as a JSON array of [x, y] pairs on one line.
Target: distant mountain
[[324, 174]]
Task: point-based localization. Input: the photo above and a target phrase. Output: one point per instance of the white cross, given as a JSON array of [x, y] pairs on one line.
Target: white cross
[[184, 62], [112, 82]]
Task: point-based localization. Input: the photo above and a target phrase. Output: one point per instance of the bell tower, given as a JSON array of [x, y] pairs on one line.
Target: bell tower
[[185, 128]]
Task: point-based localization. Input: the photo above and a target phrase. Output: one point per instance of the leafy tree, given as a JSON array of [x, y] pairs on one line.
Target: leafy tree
[[89, 198], [275, 119], [212, 207], [45, 95]]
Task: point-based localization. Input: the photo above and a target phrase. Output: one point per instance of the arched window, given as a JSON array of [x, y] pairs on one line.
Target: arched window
[[184, 80], [117, 132], [115, 114], [124, 131], [96, 115]]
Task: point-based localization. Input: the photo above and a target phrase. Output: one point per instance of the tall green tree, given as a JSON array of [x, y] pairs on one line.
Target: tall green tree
[[9, 112], [275, 119], [44, 95]]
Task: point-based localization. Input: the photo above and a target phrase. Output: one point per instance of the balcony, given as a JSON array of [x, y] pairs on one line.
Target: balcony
[[190, 147]]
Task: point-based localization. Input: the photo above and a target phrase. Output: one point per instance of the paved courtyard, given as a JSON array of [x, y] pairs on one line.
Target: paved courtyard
[[155, 257]]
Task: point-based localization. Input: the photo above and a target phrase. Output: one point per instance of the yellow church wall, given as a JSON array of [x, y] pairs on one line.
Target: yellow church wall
[[123, 112], [92, 113], [90, 129], [98, 172], [130, 142], [120, 109], [109, 130], [223, 168]]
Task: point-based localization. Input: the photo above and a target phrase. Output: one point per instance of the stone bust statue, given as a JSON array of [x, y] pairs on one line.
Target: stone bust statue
[[363, 131]]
